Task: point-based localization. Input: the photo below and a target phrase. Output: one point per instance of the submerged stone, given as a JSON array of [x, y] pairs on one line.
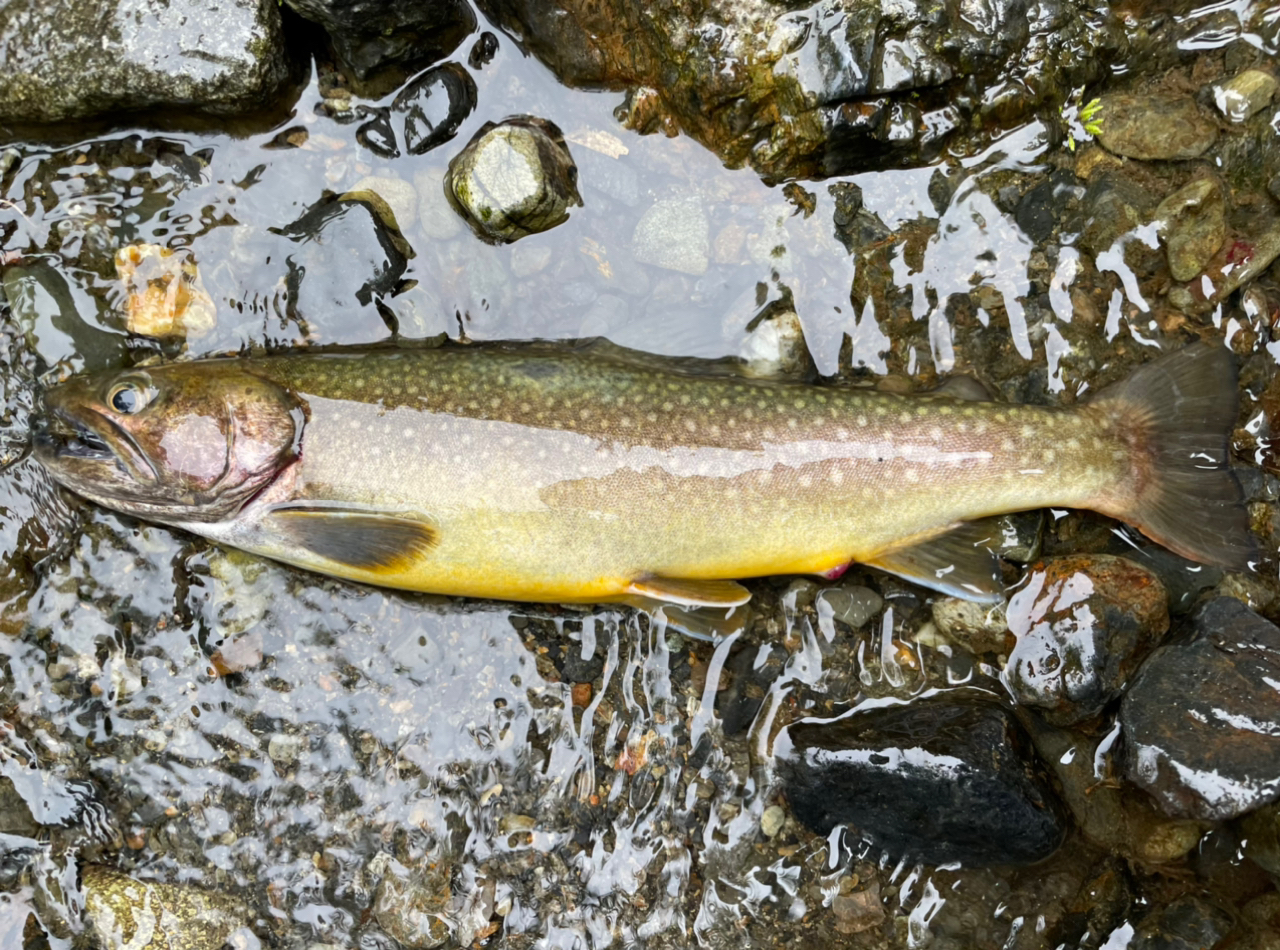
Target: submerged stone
[[1155, 128], [1242, 96], [151, 915], [936, 781], [1083, 625], [434, 105], [84, 58], [1187, 923], [514, 179], [674, 233], [1198, 720], [1193, 224], [411, 905]]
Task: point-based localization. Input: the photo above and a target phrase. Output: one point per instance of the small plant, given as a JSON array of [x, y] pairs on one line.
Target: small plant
[[1083, 121]]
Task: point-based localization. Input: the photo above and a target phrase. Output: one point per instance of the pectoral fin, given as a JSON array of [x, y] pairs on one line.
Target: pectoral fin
[[956, 563], [361, 540], [690, 593]]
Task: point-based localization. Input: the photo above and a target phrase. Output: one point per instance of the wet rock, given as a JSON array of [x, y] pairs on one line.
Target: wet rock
[[434, 106], [152, 915], [1261, 833], [1083, 624], [805, 91], [1192, 223], [775, 347], [858, 911], [1112, 814], [86, 58], [411, 904], [376, 133], [1041, 208], [674, 233], [979, 628], [852, 606], [1187, 923], [514, 179], [394, 199], [1019, 536], [45, 307], [937, 780], [1217, 757], [1240, 97], [772, 820], [164, 296], [370, 35], [1112, 207], [1155, 128]]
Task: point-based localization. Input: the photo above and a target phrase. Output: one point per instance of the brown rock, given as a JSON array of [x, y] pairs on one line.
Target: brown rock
[[1154, 128], [859, 911]]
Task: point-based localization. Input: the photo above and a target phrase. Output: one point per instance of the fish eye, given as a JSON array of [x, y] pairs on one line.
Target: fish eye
[[129, 397]]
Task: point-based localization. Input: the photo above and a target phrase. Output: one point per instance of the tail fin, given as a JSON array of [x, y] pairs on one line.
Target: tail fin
[[1177, 413]]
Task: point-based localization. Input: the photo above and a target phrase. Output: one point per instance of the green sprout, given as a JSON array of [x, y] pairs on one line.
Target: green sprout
[[1086, 118]]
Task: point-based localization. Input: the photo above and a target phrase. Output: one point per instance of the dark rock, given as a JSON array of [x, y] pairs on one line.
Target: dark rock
[[825, 90], [1198, 720], [1155, 128], [1113, 206], [750, 672], [343, 251], [1261, 833], [1084, 624], [483, 50], [371, 35], [376, 134], [1187, 923], [1102, 904], [1193, 224], [1041, 208], [514, 179], [434, 105], [938, 780], [84, 58]]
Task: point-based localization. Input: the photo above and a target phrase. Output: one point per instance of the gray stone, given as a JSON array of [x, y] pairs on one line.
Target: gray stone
[[1112, 207], [1154, 128], [1240, 97], [979, 628], [83, 58], [1187, 923], [370, 35], [853, 606], [1218, 756], [674, 233], [1193, 224], [514, 179]]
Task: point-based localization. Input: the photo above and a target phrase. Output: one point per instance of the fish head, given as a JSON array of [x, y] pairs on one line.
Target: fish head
[[185, 442]]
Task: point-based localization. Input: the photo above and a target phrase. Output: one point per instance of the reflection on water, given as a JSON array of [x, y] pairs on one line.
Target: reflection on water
[[557, 777]]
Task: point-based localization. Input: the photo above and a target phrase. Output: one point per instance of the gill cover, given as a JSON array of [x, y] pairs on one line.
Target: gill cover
[[184, 442]]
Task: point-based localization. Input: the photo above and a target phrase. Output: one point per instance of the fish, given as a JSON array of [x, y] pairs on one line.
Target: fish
[[594, 475]]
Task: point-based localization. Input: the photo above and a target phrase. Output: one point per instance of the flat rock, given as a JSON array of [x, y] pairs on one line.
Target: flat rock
[[1083, 625], [938, 781], [1199, 721], [674, 233], [1155, 128], [82, 58]]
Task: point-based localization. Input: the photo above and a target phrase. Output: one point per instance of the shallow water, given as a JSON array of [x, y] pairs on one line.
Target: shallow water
[[269, 734]]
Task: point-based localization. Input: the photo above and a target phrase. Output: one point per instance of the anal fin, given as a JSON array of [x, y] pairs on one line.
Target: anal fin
[[690, 593], [356, 538], [958, 563]]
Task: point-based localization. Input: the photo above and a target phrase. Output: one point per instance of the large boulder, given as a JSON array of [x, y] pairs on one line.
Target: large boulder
[[74, 59]]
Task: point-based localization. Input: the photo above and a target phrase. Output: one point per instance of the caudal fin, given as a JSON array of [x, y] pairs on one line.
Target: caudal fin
[[1177, 413]]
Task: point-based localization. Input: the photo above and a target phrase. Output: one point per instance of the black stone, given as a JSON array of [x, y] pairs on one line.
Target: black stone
[[483, 50], [376, 134], [1041, 208], [938, 781], [1198, 721], [434, 105], [372, 35]]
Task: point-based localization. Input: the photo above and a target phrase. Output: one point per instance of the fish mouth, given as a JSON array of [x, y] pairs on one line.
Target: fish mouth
[[66, 437]]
